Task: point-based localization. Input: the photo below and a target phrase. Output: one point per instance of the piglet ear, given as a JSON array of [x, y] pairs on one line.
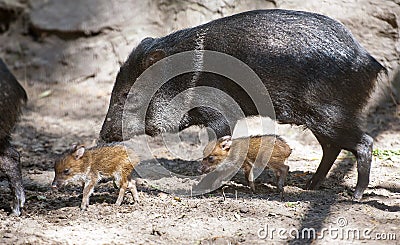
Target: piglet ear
[[153, 57], [225, 142], [79, 151]]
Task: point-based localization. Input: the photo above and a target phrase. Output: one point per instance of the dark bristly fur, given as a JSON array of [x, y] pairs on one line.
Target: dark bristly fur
[[316, 73], [12, 97]]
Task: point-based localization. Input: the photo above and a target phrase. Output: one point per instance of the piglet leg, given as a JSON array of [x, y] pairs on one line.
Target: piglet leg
[[87, 191]]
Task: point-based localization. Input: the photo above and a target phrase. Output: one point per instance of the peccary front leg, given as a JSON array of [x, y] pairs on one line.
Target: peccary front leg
[[363, 152], [87, 191], [330, 153], [11, 166]]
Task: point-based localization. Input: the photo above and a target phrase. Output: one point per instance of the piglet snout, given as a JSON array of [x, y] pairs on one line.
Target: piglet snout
[[54, 185]]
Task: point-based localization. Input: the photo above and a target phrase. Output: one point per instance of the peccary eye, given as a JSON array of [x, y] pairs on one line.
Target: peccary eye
[[66, 171], [211, 158]]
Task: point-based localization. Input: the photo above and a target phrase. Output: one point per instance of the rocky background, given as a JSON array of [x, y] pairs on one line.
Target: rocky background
[[66, 53], [56, 41]]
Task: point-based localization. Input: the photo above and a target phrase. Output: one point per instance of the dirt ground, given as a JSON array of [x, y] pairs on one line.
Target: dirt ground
[[61, 113]]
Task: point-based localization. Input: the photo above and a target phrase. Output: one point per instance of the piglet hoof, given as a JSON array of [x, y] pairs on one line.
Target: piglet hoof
[[84, 207], [252, 187]]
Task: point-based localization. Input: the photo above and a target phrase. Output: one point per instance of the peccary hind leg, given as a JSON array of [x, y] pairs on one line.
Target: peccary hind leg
[[360, 144], [330, 153], [248, 172], [132, 188], [363, 152]]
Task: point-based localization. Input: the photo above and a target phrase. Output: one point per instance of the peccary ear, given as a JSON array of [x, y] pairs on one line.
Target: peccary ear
[[78, 152], [225, 142], [153, 57]]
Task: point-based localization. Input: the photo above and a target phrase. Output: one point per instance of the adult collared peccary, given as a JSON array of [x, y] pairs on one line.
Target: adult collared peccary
[[316, 73], [12, 96]]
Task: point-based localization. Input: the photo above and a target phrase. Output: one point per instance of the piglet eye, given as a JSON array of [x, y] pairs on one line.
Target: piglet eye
[[211, 158], [66, 171]]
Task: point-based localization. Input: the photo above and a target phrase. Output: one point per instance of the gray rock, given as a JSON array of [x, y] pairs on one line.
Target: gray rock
[[96, 36], [74, 18]]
